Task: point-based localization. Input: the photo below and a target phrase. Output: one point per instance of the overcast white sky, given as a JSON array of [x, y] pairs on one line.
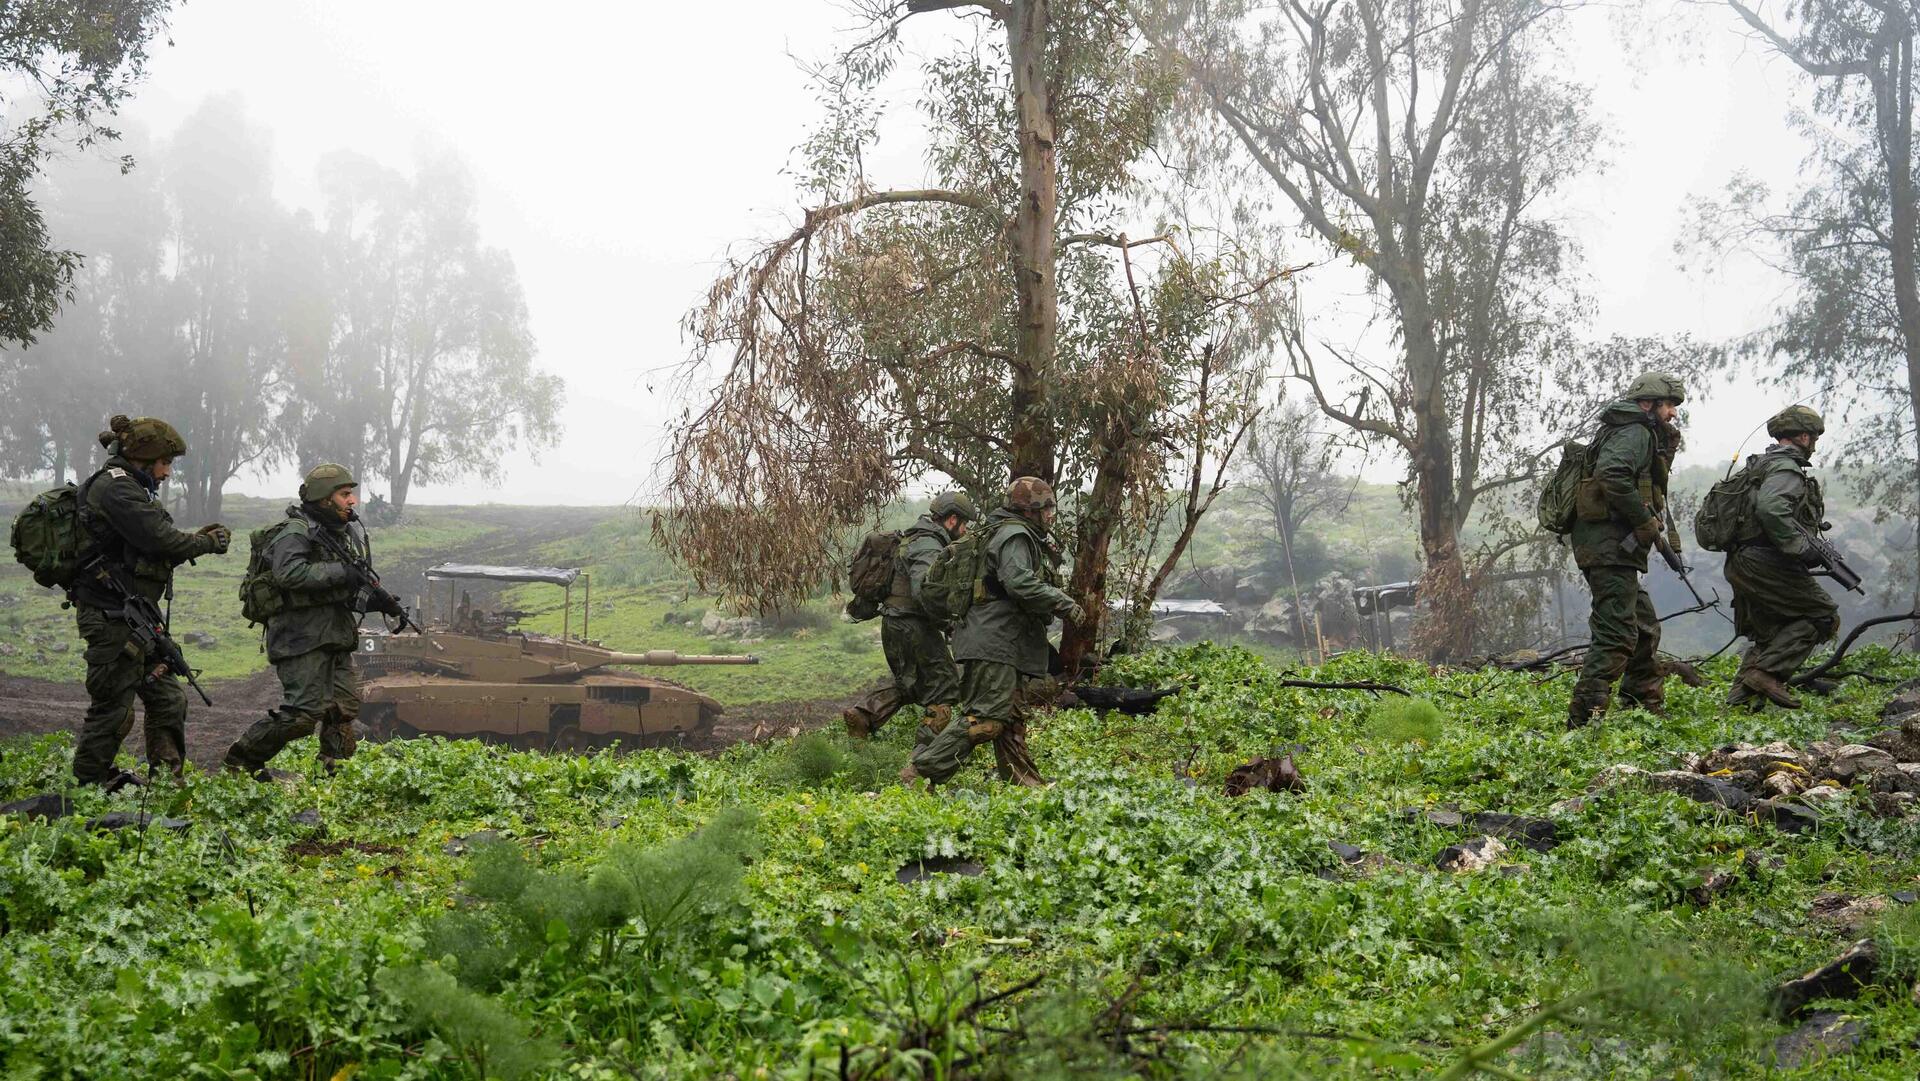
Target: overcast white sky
[[620, 149]]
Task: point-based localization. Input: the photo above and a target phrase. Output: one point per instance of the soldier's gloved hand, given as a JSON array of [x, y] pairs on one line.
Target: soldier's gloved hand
[[1808, 557], [218, 536], [1074, 613], [1646, 533]]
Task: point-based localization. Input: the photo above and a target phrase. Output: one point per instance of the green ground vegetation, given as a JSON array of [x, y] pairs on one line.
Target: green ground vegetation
[[660, 915]]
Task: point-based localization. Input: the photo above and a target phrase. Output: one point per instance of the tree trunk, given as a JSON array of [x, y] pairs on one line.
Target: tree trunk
[[1894, 104], [1093, 550], [1443, 631], [59, 463], [1037, 310]]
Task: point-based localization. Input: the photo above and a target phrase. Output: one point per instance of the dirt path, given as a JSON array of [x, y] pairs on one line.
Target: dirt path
[[37, 706]]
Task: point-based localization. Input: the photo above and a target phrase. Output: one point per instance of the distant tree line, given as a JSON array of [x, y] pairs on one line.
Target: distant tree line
[[381, 334]]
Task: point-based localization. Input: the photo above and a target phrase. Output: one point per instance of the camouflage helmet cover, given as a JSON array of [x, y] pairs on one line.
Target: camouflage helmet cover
[[1657, 385], [143, 439], [1029, 493], [325, 480], [1793, 420], [959, 503]]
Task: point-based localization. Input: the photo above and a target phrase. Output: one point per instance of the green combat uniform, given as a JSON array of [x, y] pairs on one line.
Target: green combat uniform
[[1777, 605], [1622, 499], [311, 642], [126, 524], [1002, 646], [917, 653]]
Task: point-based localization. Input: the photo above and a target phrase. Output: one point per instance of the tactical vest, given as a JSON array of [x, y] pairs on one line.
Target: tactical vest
[[260, 598], [1651, 481], [900, 591], [105, 540]]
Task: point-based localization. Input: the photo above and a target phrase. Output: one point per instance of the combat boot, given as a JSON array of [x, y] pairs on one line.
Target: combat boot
[[1764, 684], [235, 765], [1652, 698], [1583, 710], [856, 722]]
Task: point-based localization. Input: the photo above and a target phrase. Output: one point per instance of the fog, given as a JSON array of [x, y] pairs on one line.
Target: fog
[[618, 151]]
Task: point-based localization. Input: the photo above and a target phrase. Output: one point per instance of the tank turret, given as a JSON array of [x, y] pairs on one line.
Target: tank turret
[[514, 658]]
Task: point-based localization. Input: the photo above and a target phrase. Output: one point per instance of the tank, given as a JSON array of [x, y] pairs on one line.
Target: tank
[[474, 675]]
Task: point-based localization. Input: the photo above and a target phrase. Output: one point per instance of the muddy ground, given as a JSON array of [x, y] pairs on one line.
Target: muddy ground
[[37, 706]]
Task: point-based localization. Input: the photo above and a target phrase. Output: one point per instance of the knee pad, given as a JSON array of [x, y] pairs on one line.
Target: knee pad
[[979, 731]]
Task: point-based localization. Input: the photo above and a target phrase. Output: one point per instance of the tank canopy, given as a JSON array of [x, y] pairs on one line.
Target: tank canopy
[[559, 576]]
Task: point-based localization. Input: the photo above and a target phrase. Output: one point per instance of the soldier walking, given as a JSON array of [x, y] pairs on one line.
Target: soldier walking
[[127, 526], [313, 627], [916, 647], [1621, 506], [1002, 644], [1777, 606]]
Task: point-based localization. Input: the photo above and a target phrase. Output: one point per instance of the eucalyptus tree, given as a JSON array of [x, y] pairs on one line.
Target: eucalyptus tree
[[430, 350], [65, 67], [1424, 140], [1848, 237], [998, 319]]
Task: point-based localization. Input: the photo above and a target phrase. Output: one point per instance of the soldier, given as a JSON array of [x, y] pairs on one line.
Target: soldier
[[1624, 499], [1002, 644], [127, 526], [1777, 605], [916, 648], [311, 640]]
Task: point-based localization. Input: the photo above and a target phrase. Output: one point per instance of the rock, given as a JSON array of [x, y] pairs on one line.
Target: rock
[[49, 805], [309, 818], [1842, 977], [716, 624], [1535, 833], [1272, 774], [1857, 760], [1754, 863], [1822, 794], [1712, 884], [1892, 804], [1476, 854], [1894, 779], [1616, 774], [1903, 743], [1768, 759], [916, 870], [1850, 914], [1693, 763], [1447, 816], [1905, 700], [1718, 758], [201, 639], [1906, 897], [1746, 780], [1567, 808], [1782, 815], [119, 820], [60, 647], [1348, 854], [1820, 1037], [1780, 785], [460, 846], [8, 649], [1700, 788]]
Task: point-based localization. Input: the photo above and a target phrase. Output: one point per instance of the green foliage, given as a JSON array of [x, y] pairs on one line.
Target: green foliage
[[486, 1037], [1404, 720], [676, 916]]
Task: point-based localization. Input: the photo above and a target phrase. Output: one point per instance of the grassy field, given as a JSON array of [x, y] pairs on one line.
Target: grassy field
[[781, 911]]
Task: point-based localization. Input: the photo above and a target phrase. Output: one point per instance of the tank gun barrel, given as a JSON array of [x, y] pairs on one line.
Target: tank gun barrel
[[672, 657]]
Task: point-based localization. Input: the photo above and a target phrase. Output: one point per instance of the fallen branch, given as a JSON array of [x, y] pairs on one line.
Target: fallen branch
[[1847, 643]]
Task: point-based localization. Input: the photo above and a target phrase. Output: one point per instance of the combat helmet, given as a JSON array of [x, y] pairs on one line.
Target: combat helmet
[[959, 503], [324, 480], [143, 439], [1657, 385], [1029, 493], [1793, 420]]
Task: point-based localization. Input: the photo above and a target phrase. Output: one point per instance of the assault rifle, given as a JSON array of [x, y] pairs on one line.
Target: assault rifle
[[1665, 548], [1826, 559], [361, 570], [147, 627]]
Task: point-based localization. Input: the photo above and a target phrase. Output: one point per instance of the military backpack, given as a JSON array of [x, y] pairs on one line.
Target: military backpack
[[1726, 514], [260, 599], [1558, 506], [48, 538], [957, 578], [870, 572]]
